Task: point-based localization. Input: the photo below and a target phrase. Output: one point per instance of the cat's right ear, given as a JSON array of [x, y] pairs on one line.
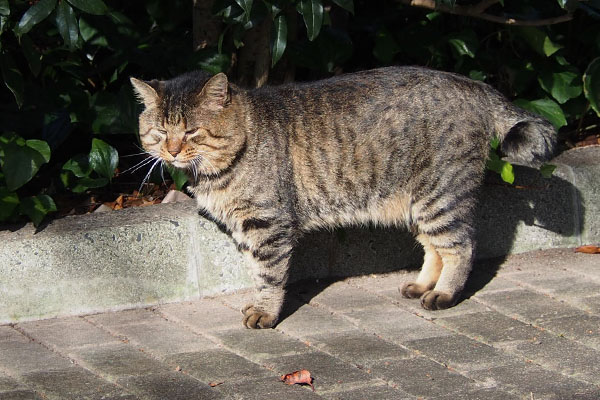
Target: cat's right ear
[[145, 91], [214, 92]]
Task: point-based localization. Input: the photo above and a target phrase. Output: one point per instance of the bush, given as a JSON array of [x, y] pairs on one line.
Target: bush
[[68, 111]]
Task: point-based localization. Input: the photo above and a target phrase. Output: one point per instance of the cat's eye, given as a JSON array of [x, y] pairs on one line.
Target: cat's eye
[[160, 131], [191, 131]]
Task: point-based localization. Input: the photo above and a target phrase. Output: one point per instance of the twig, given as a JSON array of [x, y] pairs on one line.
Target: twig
[[478, 11]]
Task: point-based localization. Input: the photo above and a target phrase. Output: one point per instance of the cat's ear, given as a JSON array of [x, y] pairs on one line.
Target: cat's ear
[[146, 91], [214, 92]]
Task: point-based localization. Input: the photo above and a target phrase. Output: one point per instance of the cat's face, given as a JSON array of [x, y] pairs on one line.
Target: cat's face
[[181, 122]]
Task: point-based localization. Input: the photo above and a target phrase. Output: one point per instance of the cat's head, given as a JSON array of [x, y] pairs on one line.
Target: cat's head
[[183, 122]]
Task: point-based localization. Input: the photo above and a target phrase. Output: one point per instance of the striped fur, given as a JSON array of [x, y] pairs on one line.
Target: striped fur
[[398, 146]]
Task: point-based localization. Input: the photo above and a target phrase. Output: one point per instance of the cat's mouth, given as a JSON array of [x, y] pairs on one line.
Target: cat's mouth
[[179, 164]]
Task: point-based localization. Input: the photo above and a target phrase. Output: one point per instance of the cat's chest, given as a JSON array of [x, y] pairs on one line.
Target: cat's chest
[[220, 205]]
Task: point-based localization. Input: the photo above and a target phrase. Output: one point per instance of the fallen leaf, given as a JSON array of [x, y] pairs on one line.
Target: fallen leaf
[[589, 249], [213, 384], [301, 377]]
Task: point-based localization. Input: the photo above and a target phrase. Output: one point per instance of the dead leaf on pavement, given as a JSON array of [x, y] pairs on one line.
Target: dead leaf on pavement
[[589, 249], [213, 384], [301, 377]]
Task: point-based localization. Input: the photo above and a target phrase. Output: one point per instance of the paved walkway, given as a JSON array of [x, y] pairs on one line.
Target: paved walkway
[[532, 331]]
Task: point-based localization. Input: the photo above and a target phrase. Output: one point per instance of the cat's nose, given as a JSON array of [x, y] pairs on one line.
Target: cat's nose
[[174, 152]]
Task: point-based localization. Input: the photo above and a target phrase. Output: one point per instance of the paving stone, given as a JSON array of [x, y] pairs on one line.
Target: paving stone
[[381, 391], [329, 373], [265, 388], [169, 385], [258, 345], [117, 360], [491, 327], [308, 320], [162, 337], [550, 351], [7, 383], [465, 306], [203, 315], [583, 328], [359, 348], [459, 352], [20, 395], [217, 365], [341, 296], [395, 324], [73, 383], [8, 333], [65, 333], [562, 283], [22, 357], [528, 305], [422, 377], [481, 394], [125, 317], [383, 282], [532, 381], [589, 303]]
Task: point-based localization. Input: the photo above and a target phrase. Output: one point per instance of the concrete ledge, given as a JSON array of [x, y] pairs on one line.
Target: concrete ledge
[[143, 256]]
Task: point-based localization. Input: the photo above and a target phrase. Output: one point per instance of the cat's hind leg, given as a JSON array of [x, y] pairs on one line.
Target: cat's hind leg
[[429, 274]]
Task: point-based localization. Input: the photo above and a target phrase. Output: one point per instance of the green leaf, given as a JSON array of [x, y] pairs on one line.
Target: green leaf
[[86, 183], [386, 46], [13, 79], [34, 15], [547, 170], [79, 165], [9, 201], [279, 39], [539, 41], [346, 4], [180, 178], [464, 44], [504, 168], [546, 108], [103, 158], [246, 5], [561, 85], [22, 160], [67, 25], [312, 12], [507, 173], [4, 7], [34, 57], [96, 7], [37, 207], [591, 84], [563, 3]]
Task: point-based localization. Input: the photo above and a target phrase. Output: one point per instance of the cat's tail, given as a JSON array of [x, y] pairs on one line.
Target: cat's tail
[[525, 137]]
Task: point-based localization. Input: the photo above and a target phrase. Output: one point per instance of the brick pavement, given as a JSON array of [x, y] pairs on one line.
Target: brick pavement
[[528, 329]]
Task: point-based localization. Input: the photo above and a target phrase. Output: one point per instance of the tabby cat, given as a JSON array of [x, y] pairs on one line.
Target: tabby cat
[[397, 146]]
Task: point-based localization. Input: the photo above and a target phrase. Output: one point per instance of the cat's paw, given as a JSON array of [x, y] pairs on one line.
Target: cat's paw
[[412, 290], [257, 319], [436, 300]]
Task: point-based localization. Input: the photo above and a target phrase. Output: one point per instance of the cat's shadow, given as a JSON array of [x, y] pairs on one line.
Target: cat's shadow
[[550, 209]]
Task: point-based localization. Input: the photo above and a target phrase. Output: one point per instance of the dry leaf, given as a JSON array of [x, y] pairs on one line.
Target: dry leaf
[[588, 249], [213, 384], [298, 377]]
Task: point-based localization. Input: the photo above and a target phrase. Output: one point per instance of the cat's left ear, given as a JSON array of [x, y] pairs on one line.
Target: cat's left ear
[[145, 91], [214, 92]]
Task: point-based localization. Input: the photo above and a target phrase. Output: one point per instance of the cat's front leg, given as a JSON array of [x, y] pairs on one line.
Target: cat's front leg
[[268, 244]]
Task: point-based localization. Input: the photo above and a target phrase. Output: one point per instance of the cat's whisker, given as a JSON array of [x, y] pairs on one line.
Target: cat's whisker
[[139, 165], [147, 177]]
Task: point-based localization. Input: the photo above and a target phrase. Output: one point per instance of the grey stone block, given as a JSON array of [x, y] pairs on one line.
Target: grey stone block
[[481, 394], [459, 352], [114, 361], [23, 357], [218, 365], [74, 383], [20, 395], [370, 392], [319, 321], [358, 348], [491, 327], [169, 385], [422, 377], [265, 388], [340, 296], [583, 328], [530, 380], [7, 383], [528, 305], [395, 324], [67, 332], [329, 373], [257, 345], [203, 315]]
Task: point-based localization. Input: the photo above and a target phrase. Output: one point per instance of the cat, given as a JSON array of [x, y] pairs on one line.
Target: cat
[[395, 146]]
